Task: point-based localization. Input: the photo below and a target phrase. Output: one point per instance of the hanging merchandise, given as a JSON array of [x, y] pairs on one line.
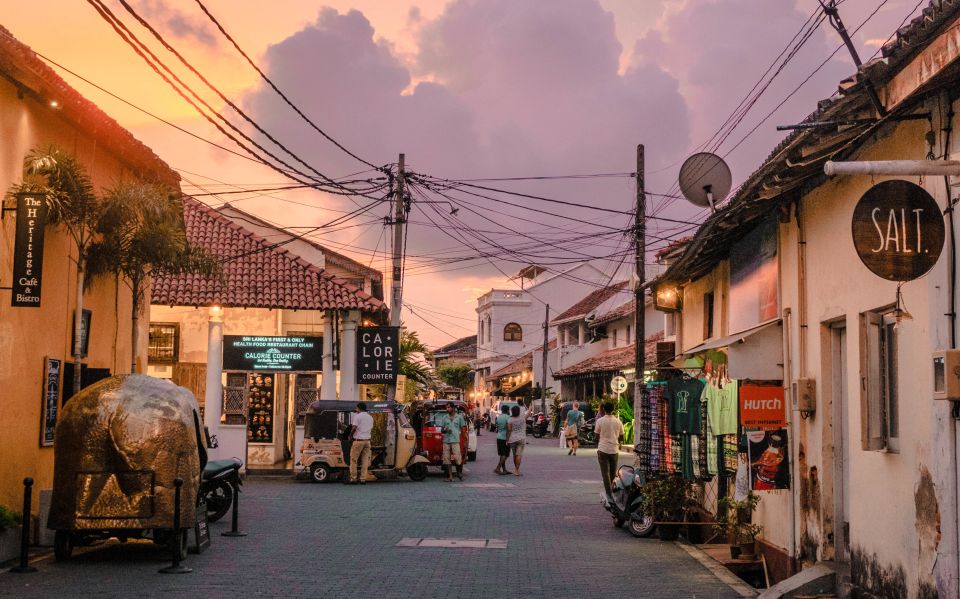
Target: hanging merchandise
[[712, 449], [722, 407], [742, 484], [769, 465], [656, 399], [684, 397], [729, 447]]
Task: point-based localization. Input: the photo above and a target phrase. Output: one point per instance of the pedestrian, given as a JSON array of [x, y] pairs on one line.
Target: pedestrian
[[453, 425], [361, 424], [477, 420], [609, 429], [516, 437], [503, 450], [572, 430]]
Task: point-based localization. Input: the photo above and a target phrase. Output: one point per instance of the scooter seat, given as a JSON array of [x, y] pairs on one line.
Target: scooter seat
[[215, 468]]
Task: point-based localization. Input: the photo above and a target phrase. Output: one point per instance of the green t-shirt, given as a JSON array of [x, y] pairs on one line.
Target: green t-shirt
[[502, 421], [722, 408], [573, 417], [451, 427], [684, 397]]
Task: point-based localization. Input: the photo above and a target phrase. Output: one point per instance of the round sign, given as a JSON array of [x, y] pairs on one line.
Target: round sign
[[618, 384], [898, 230]]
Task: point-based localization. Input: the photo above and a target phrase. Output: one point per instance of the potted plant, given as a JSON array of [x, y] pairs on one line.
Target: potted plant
[[734, 520], [666, 499], [9, 534]]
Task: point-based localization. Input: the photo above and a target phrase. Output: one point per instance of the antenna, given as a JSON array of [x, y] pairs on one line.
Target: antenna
[[705, 180]]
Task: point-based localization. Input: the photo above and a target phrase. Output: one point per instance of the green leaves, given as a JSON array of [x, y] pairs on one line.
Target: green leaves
[[456, 374]]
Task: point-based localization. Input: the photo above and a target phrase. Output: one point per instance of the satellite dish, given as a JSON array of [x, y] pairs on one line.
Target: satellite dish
[[705, 179]]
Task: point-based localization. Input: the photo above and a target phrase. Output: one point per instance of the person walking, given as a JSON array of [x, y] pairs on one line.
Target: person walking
[[572, 430], [516, 437], [610, 431], [475, 415], [503, 450], [453, 425], [361, 425]]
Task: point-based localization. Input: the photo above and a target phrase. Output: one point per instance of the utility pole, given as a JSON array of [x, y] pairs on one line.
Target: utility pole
[[396, 283], [543, 375], [640, 245]]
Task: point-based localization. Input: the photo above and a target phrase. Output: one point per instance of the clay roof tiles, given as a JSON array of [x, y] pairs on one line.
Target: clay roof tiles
[[612, 360], [590, 302], [256, 274]]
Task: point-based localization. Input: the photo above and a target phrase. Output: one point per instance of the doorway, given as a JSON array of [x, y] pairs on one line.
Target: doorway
[[841, 440]]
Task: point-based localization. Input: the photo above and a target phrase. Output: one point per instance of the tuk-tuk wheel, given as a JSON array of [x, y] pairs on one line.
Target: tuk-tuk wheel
[[62, 545], [417, 472], [319, 473]]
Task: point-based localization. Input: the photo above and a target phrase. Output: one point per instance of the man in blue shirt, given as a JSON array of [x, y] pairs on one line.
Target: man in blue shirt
[[453, 425], [503, 450]]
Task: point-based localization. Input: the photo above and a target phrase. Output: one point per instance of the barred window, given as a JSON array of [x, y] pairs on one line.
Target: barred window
[[512, 332], [164, 342]]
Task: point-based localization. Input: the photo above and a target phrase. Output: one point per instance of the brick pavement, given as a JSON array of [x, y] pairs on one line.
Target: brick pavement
[[333, 540]]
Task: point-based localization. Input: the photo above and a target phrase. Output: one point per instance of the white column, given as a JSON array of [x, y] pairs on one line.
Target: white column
[[213, 396], [348, 357], [328, 387], [581, 334]]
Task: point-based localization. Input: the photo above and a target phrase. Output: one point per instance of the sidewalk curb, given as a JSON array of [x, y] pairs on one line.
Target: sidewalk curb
[[726, 576]]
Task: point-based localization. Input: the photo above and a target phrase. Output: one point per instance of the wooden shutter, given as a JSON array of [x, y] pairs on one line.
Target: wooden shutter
[[193, 376], [871, 382]]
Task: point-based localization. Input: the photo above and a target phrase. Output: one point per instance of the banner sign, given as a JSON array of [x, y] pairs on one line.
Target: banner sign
[[378, 353], [28, 250], [769, 461], [273, 354], [762, 407], [898, 230], [52, 370]]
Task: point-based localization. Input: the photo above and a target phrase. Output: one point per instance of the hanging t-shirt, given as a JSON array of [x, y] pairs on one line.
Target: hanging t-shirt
[[684, 397], [722, 408]]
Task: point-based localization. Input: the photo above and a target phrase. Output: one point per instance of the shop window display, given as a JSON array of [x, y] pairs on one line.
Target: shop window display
[[260, 408]]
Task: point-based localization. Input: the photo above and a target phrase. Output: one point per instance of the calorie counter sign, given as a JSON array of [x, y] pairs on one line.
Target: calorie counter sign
[[378, 353]]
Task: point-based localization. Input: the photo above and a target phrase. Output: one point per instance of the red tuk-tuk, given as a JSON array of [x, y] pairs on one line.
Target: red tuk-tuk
[[424, 415]]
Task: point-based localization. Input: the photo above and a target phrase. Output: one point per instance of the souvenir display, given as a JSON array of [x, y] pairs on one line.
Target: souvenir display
[[260, 409]]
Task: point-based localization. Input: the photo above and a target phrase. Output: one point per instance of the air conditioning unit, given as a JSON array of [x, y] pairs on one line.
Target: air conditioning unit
[[946, 374]]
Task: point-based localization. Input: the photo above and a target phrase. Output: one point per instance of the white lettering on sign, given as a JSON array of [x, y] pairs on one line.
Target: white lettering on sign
[[895, 228], [763, 404]]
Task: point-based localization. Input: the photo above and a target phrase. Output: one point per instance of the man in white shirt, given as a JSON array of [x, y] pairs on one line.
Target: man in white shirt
[[610, 430], [361, 426]]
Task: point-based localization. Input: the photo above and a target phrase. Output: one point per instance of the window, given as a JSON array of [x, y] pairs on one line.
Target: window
[[628, 338], [489, 330], [880, 422], [708, 315], [512, 332], [164, 342], [613, 337], [481, 330]]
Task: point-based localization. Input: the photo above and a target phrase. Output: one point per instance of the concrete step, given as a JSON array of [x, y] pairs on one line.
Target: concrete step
[[819, 580]]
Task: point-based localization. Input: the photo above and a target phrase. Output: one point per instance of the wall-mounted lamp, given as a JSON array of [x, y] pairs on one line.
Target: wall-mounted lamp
[[216, 313], [54, 104], [669, 298]]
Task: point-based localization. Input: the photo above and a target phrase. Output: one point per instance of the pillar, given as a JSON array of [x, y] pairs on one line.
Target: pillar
[[581, 334], [213, 396], [349, 391], [328, 387]]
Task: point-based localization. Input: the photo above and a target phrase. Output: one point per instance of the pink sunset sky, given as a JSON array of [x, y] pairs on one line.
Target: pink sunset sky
[[467, 89]]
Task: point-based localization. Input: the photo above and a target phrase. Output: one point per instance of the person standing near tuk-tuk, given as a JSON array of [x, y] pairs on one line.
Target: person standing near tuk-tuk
[[453, 425], [503, 450], [361, 425]]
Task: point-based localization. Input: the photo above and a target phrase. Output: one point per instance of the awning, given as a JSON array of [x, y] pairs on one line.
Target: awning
[[755, 353]]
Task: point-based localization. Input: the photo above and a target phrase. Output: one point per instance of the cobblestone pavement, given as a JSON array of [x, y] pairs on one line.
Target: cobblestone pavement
[[334, 540]]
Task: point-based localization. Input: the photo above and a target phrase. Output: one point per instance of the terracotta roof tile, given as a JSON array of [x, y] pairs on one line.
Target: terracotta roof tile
[[255, 273], [591, 302], [524, 362], [612, 360]]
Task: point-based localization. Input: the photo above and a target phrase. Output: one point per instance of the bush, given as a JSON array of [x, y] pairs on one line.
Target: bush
[[8, 518], [666, 498]]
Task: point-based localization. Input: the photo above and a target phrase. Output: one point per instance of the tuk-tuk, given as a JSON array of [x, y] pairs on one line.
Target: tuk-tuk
[[325, 452], [118, 447], [429, 436]]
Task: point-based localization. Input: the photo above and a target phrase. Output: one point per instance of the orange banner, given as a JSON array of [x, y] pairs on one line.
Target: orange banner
[[762, 407]]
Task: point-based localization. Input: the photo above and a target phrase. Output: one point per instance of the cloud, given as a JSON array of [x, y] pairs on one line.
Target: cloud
[[178, 23]]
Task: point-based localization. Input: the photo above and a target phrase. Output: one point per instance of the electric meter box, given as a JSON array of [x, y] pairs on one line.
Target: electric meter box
[[946, 374], [805, 395]]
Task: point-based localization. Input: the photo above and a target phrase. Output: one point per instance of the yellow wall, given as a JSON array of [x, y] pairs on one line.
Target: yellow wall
[[27, 335]]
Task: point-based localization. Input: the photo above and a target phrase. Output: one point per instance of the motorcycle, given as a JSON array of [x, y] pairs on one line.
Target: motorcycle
[[537, 425], [218, 481], [626, 503], [587, 436]]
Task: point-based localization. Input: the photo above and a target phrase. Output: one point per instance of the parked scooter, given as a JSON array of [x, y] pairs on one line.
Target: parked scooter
[[588, 437], [217, 484], [537, 425], [625, 503]]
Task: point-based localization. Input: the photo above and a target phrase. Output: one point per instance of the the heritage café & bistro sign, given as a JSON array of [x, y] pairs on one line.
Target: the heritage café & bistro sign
[[272, 354]]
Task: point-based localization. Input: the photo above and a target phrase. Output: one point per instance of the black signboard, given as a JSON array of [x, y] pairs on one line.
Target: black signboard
[[52, 371], [273, 354], [28, 250], [378, 353], [201, 530], [84, 333], [898, 230]]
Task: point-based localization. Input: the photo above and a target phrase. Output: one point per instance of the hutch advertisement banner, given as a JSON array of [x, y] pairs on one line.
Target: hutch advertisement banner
[[762, 406], [769, 461]]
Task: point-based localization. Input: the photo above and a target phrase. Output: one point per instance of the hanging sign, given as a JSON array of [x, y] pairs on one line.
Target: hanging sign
[[28, 250], [52, 370], [618, 384], [762, 406], [378, 353], [769, 460], [898, 230], [272, 354]]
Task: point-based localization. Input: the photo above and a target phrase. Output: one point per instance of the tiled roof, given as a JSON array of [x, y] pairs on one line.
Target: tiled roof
[[612, 360], [256, 274], [466, 345], [621, 311], [35, 79], [524, 362], [590, 302], [928, 23]]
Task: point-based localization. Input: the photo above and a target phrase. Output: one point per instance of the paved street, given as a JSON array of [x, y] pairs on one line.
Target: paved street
[[308, 540]]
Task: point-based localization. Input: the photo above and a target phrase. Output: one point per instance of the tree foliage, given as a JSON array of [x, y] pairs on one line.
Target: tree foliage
[[413, 356], [456, 374]]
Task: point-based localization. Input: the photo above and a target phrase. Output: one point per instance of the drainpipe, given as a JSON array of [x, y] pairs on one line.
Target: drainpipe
[[788, 378]]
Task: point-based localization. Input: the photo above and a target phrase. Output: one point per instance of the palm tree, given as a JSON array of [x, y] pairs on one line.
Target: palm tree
[[413, 355], [69, 194], [141, 233]]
